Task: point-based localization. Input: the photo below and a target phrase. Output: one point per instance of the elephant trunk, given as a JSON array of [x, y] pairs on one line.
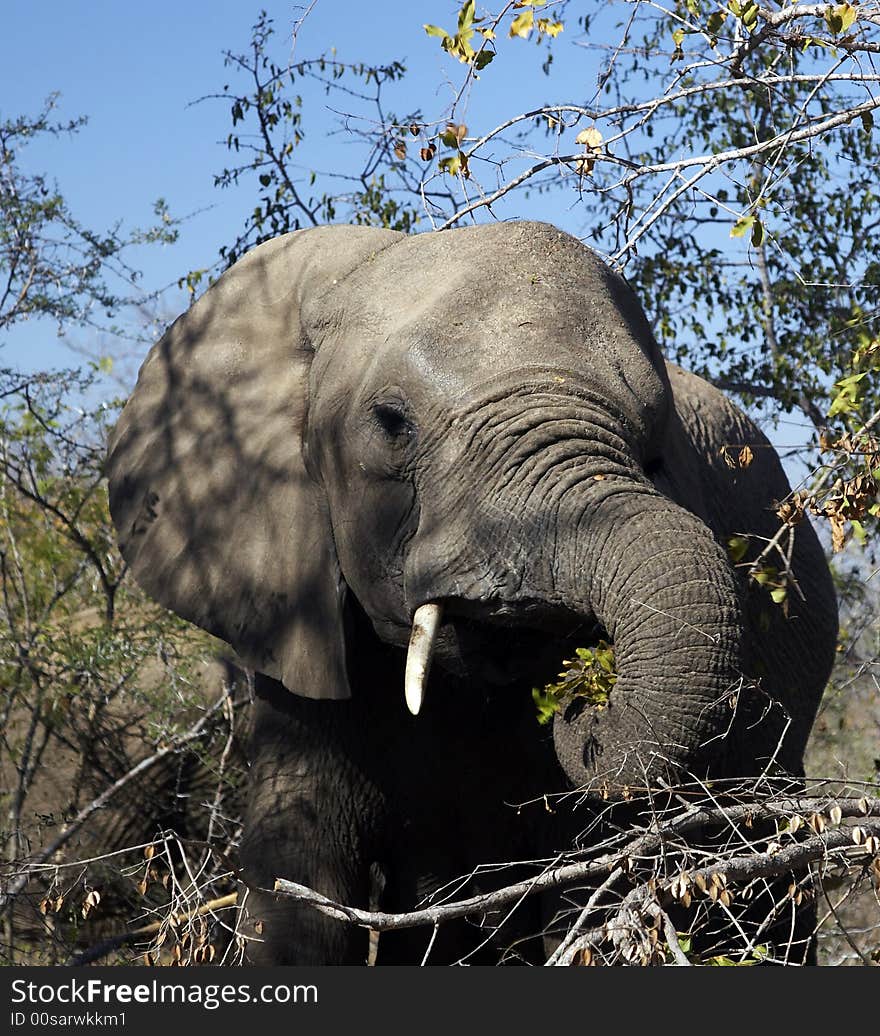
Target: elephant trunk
[[663, 589]]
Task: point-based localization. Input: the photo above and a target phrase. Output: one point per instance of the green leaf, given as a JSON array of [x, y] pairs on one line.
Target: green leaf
[[451, 164], [867, 121], [742, 226], [483, 58], [546, 704], [105, 364], [778, 595], [737, 548], [466, 15], [757, 233], [435, 30], [715, 21], [765, 575], [749, 14], [847, 398], [591, 675]]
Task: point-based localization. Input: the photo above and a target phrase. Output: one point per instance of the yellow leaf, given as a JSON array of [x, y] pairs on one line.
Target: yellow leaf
[[745, 457], [840, 18], [522, 25], [742, 226], [548, 28]]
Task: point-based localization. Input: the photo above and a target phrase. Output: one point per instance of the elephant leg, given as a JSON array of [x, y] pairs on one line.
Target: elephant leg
[[478, 808], [427, 875], [309, 807]]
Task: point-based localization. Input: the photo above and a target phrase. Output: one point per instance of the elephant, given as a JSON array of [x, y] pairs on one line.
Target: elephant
[[362, 452]]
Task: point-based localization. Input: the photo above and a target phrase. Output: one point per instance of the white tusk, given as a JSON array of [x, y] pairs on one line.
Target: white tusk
[[426, 622]]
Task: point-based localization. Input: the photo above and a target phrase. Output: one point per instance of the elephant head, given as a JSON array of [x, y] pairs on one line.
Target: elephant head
[[458, 429]]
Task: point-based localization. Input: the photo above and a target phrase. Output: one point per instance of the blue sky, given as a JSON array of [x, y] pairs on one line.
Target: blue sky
[[135, 70]]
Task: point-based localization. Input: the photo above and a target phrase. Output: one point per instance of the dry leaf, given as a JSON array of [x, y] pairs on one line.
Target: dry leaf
[[838, 532], [590, 138], [90, 902]]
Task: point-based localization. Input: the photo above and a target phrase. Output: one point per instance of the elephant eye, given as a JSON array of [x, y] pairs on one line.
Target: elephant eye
[[393, 421]]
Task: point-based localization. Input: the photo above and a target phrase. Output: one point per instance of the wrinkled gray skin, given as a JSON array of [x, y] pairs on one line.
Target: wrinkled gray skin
[[352, 423]]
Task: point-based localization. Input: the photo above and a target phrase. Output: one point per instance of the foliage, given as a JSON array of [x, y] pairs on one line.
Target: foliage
[[268, 137], [692, 880], [731, 175], [106, 718], [95, 676], [50, 264], [590, 675], [726, 160]]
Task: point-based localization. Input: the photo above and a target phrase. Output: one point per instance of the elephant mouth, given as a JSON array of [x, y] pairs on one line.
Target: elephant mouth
[[497, 644]]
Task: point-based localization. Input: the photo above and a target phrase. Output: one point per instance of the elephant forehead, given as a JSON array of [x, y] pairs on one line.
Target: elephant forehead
[[450, 304], [453, 342]]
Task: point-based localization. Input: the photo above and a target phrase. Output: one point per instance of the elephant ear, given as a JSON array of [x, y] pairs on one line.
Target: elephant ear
[[216, 513]]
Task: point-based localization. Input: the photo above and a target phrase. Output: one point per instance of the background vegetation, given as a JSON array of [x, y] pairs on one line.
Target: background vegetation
[[725, 159]]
